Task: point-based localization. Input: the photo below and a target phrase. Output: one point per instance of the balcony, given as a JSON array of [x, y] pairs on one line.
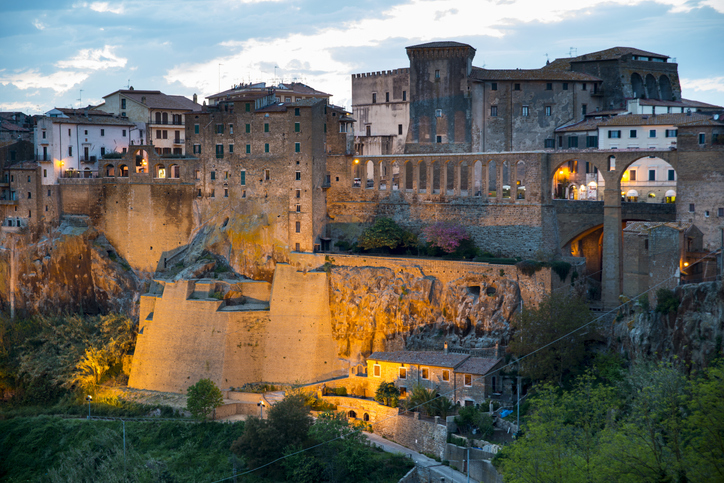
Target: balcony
[[160, 122], [178, 141], [90, 159], [75, 174], [13, 225]]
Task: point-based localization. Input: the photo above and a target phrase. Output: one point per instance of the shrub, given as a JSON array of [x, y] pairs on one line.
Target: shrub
[[666, 301], [529, 267], [561, 268], [470, 417], [445, 235], [203, 398], [385, 233], [387, 394]]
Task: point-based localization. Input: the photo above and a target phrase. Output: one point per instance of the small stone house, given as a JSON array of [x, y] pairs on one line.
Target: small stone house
[[464, 379]]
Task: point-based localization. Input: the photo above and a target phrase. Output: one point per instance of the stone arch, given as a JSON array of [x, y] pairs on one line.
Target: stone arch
[[366, 418], [409, 176], [436, 172], [352, 414], [369, 175], [665, 88], [506, 180], [637, 86], [109, 171], [123, 171], [464, 178], [141, 157], [159, 171], [449, 177], [384, 175], [652, 87], [422, 177], [174, 171], [492, 179], [520, 180], [395, 175], [356, 174], [478, 178], [664, 176]]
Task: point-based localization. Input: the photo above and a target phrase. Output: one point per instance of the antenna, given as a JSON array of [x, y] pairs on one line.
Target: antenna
[[80, 97], [572, 52], [129, 84], [275, 73]]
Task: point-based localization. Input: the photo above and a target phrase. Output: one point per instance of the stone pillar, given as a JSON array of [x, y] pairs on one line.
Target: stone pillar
[[415, 176], [611, 276], [377, 168]]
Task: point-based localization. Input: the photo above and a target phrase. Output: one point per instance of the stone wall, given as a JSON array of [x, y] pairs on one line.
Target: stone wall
[[480, 467]]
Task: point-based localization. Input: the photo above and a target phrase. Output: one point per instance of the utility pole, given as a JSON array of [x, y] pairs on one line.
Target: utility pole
[[517, 420], [467, 467]]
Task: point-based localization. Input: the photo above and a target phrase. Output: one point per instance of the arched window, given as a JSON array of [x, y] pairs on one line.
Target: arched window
[[395, 175], [383, 175], [356, 174], [436, 177], [612, 163], [370, 175], [422, 180], [464, 178], [158, 118], [165, 118], [492, 180], [174, 171], [352, 414], [366, 417], [506, 180], [159, 171], [123, 171], [87, 173], [450, 181], [109, 170], [520, 180], [637, 85], [409, 175], [652, 88], [478, 176], [665, 89]]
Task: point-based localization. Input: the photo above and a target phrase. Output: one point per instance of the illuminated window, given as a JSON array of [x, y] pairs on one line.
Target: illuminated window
[[445, 375], [468, 380], [425, 373], [377, 370], [403, 373]]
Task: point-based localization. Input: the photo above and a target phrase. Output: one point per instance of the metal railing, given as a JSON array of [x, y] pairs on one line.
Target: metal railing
[[76, 174]]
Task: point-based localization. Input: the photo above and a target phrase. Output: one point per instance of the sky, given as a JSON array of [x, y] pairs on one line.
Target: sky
[[70, 53]]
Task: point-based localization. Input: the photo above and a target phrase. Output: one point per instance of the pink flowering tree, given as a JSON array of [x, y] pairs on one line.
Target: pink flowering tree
[[445, 235]]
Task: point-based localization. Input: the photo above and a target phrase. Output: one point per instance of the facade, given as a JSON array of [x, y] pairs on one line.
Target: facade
[[15, 126], [282, 92], [70, 142], [462, 378], [159, 117]]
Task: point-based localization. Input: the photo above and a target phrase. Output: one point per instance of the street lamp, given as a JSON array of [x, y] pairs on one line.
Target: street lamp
[[261, 405], [89, 398]]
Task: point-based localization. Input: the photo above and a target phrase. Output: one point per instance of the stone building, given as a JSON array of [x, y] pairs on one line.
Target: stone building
[[282, 92], [159, 118], [15, 126]]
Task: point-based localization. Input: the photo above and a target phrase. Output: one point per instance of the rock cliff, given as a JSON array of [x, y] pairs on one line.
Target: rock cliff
[[377, 309], [693, 334], [73, 269]]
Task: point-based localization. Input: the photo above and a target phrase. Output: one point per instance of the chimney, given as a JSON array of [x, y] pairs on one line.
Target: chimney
[[445, 347], [196, 99]]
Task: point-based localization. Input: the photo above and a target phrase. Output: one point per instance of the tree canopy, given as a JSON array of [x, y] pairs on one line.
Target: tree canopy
[[203, 398], [385, 233]]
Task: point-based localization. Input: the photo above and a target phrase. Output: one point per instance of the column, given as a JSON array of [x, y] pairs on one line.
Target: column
[[611, 250]]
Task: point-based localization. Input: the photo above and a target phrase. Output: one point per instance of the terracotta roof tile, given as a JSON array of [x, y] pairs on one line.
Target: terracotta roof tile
[[614, 53], [159, 100], [589, 124], [653, 120], [427, 358], [477, 365]]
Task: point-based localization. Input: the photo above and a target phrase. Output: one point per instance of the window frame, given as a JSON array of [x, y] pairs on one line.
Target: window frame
[[402, 372], [424, 370], [467, 377], [376, 370]]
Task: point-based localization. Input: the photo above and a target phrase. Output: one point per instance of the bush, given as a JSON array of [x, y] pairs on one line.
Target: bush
[[387, 394], [203, 398], [445, 235], [529, 267], [385, 233], [561, 268], [666, 301], [470, 417]]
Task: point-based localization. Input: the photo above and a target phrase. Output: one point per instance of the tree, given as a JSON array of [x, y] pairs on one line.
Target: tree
[[387, 394], [385, 233], [470, 417], [445, 235], [203, 398], [555, 317]]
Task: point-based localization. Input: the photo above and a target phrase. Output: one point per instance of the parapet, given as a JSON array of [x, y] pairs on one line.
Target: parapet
[[405, 70]]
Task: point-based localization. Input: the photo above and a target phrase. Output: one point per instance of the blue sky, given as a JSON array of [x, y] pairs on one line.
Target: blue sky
[[53, 49]]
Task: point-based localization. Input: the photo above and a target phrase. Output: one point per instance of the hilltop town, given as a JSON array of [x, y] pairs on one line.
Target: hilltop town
[[235, 231]]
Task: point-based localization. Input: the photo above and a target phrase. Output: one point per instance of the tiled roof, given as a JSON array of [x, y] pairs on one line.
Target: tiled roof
[[681, 103], [646, 226], [159, 100], [477, 365], [256, 91], [531, 74], [438, 45], [589, 124], [426, 358], [701, 122], [608, 112], [77, 116], [652, 120], [615, 53], [11, 126], [559, 64]]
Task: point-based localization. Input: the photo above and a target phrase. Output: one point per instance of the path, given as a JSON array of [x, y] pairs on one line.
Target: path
[[422, 461]]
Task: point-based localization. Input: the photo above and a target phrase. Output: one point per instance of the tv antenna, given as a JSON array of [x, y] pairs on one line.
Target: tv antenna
[[128, 86], [572, 52], [80, 97]]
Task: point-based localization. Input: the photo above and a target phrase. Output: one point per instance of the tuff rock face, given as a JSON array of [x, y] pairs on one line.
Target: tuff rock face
[[693, 334], [376, 309], [73, 270]]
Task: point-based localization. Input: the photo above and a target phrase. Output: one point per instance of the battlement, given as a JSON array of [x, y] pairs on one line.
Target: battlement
[[362, 75]]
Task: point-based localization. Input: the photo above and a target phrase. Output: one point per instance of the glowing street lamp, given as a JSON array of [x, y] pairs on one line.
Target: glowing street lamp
[[89, 398]]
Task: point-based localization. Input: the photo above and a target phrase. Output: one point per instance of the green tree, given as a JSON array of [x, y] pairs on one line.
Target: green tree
[[705, 453], [387, 394], [555, 316], [203, 398], [470, 417], [385, 233]]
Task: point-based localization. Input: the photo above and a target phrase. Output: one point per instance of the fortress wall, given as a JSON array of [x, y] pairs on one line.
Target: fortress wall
[[144, 220], [81, 199], [245, 348], [299, 342]]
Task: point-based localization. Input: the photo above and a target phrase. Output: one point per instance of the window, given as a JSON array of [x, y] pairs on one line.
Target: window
[[158, 134], [439, 139], [438, 112], [231, 148], [70, 150], [403, 373], [103, 132], [243, 193], [297, 248], [103, 151], [652, 133], [123, 103], [248, 128], [437, 74], [632, 175], [298, 194], [297, 127], [425, 373], [672, 175], [706, 212], [298, 176], [219, 150], [198, 193], [632, 133], [231, 129], [248, 149], [368, 130], [583, 86], [468, 380], [614, 134], [219, 129], [584, 108], [48, 192], [243, 177], [43, 134], [516, 87], [45, 173], [493, 111], [297, 147], [30, 195], [573, 142], [298, 226], [591, 141], [68, 132], [86, 132], [652, 175], [692, 208], [494, 86], [445, 375], [404, 95], [296, 111], [387, 97], [266, 127], [548, 110], [374, 98], [399, 129], [550, 144], [267, 175], [720, 213], [226, 192], [702, 138], [376, 370], [213, 175], [197, 149], [197, 174], [212, 194], [124, 133], [28, 180], [525, 111], [671, 133], [549, 86], [247, 107], [565, 86], [266, 147]]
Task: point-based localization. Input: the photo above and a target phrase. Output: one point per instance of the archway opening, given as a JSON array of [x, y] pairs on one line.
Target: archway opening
[[520, 180], [356, 174], [370, 175], [409, 175], [652, 87], [422, 179], [383, 175], [109, 170], [175, 171], [478, 176], [436, 177], [123, 171], [506, 180], [141, 161], [395, 176], [464, 179], [637, 86], [492, 180], [652, 178], [159, 171], [665, 88], [449, 177]]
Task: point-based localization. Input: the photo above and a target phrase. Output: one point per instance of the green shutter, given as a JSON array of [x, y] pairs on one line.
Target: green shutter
[[248, 128], [296, 127], [243, 177], [248, 149]]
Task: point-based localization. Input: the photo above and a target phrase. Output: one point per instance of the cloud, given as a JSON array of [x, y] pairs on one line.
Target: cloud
[[102, 7], [93, 59], [24, 106], [706, 84], [38, 24], [60, 81], [717, 5]]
